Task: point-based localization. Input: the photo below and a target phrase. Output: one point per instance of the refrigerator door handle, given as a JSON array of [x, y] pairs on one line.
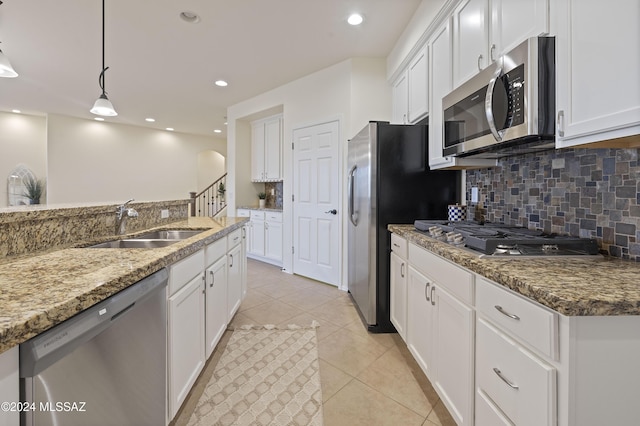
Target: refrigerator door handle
[[351, 195]]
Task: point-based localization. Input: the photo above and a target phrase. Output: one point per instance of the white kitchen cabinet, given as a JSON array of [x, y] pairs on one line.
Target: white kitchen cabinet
[[243, 256], [398, 285], [410, 92], [234, 273], [420, 318], [266, 149], [513, 21], [9, 385], [470, 39], [186, 340], [216, 293], [265, 234], [598, 89]]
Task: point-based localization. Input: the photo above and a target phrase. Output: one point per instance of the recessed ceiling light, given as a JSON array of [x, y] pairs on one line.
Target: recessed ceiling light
[[221, 83], [169, 129], [98, 118], [189, 17], [150, 120], [17, 111], [355, 19], [217, 131]]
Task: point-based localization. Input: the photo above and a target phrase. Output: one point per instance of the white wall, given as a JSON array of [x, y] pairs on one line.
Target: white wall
[[97, 161], [353, 91], [211, 166], [23, 140]]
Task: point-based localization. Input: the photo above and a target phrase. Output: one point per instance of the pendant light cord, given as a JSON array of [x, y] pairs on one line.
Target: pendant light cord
[[101, 78]]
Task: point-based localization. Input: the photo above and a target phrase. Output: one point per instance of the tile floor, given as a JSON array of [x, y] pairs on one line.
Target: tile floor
[[367, 379]]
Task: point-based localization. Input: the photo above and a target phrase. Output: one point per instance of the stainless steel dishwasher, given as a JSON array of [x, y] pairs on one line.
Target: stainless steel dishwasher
[[104, 366]]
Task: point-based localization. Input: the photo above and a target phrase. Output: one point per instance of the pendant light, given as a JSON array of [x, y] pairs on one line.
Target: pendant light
[[6, 70], [103, 106]]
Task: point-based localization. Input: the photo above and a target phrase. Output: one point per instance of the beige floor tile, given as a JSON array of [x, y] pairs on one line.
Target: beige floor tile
[[440, 416], [306, 299], [332, 380], [272, 312], [348, 351], [390, 375], [357, 404], [340, 314], [384, 339], [254, 298], [324, 329]]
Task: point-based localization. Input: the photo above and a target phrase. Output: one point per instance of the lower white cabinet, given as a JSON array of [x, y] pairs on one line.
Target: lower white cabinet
[[9, 385], [264, 236], [216, 303], [420, 318], [398, 271], [186, 314], [234, 275]]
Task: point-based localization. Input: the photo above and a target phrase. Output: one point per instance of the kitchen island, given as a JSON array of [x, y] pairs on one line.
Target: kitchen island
[[544, 341]]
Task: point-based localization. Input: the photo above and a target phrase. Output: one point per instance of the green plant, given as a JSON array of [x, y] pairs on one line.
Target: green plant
[[262, 195], [34, 189], [221, 189]]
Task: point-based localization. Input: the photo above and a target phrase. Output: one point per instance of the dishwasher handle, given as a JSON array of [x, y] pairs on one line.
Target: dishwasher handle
[[54, 344]]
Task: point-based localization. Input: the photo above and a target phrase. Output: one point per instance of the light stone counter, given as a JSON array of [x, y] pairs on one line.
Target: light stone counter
[[41, 290], [572, 287]]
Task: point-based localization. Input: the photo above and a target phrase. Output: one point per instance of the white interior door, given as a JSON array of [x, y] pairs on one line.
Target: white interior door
[[316, 206]]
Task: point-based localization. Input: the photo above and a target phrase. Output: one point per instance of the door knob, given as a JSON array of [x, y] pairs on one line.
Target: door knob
[[334, 211]]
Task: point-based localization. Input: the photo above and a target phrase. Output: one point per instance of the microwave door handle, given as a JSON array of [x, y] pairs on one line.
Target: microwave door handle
[[351, 195], [488, 104]]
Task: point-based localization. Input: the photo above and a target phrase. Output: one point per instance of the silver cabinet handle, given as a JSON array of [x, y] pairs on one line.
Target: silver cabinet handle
[[488, 104], [479, 59], [504, 379], [506, 314], [433, 299], [426, 291], [231, 264], [402, 269], [213, 278], [396, 245], [560, 123], [350, 189], [493, 47]]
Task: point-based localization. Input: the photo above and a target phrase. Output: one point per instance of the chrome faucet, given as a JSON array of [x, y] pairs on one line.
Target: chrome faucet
[[122, 213]]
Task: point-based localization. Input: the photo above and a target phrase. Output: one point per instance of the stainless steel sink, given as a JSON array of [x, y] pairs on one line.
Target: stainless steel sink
[[171, 234], [137, 243]]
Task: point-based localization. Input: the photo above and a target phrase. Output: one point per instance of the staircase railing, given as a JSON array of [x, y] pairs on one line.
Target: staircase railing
[[211, 200]]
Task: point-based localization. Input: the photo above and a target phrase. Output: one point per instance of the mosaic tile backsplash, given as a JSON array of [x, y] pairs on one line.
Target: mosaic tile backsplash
[[593, 193], [273, 201]]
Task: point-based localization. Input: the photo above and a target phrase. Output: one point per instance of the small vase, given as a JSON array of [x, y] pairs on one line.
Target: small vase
[[261, 203]]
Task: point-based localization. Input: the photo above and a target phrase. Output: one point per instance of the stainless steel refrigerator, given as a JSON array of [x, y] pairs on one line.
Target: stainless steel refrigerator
[[389, 181]]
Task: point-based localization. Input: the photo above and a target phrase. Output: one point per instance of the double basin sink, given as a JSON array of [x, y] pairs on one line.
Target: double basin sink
[[154, 239]]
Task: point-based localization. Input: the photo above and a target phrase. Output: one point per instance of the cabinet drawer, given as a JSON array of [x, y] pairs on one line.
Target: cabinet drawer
[[273, 217], [455, 279], [215, 251], [528, 322], [520, 384], [257, 215], [184, 270], [234, 238], [243, 213], [399, 245]]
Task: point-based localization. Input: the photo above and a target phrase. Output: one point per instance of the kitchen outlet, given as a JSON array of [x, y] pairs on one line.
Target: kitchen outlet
[[273, 191], [474, 194], [164, 214]]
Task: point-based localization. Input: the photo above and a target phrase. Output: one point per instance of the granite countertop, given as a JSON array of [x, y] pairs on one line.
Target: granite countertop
[[572, 287], [41, 290]]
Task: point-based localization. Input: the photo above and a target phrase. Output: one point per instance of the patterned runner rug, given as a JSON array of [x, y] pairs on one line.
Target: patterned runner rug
[[265, 376]]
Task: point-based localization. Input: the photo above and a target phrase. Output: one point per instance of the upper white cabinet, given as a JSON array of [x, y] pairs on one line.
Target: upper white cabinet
[[266, 149], [484, 29], [411, 91], [470, 39], [598, 89]]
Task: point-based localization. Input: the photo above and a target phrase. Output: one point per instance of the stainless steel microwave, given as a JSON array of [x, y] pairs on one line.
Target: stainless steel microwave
[[506, 109]]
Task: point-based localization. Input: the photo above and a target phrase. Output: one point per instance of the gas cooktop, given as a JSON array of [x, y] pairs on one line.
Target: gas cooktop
[[500, 240]]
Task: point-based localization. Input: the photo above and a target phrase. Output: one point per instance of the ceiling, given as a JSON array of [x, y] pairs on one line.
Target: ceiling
[[163, 67]]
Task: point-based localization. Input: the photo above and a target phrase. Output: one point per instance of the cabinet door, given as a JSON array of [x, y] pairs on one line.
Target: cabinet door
[[273, 243], [257, 237], [470, 39], [513, 21], [186, 316], [420, 320], [243, 257], [453, 357], [418, 86], [272, 149], [9, 385], [257, 151], [216, 303], [398, 272], [598, 89], [234, 281], [400, 100]]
